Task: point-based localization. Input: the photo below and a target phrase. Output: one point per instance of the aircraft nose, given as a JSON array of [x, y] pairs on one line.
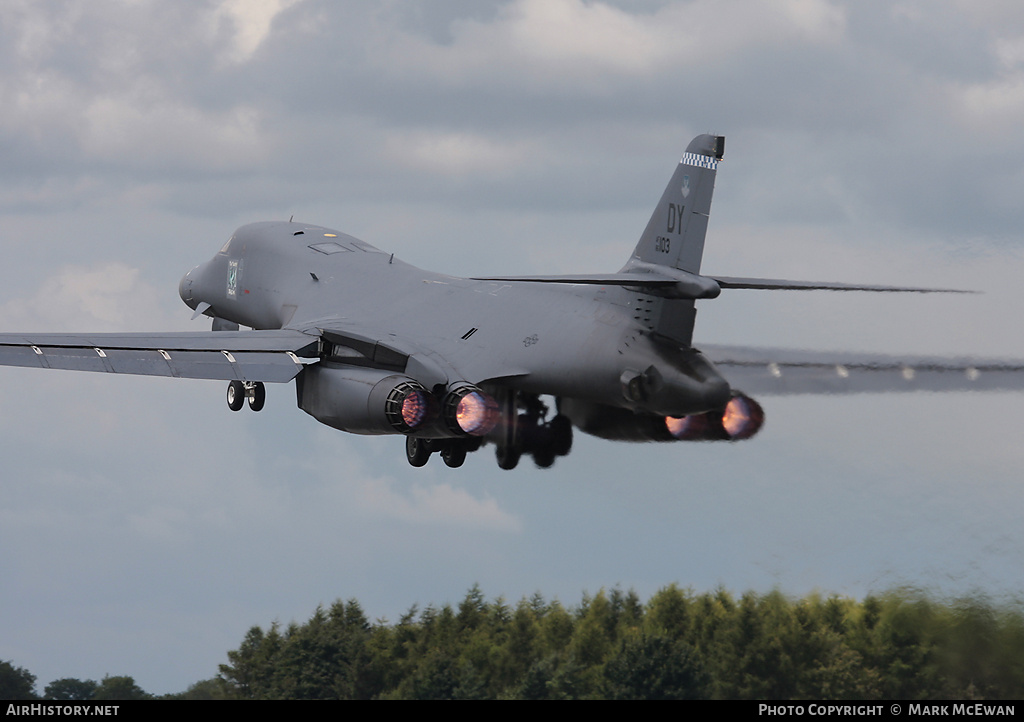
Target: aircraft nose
[[185, 288]]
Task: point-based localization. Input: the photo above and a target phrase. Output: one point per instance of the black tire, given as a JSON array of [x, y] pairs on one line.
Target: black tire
[[508, 458], [544, 457], [258, 396], [561, 435], [454, 455], [417, 452], [236, 395]]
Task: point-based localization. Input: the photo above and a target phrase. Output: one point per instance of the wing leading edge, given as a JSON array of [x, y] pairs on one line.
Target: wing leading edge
[[270, 356]]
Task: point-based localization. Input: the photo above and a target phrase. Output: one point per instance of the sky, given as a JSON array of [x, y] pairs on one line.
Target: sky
[[145, 528]]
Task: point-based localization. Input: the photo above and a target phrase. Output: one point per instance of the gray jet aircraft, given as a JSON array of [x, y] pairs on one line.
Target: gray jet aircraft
[[377, 346]]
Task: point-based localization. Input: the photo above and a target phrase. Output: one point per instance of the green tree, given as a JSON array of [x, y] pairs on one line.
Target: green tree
[[251, 670], [655, 668], [678, 645], [670, 613], [520, 649], [120, 687], [206, 689], [16, 682], [472, 608], [70, 689]]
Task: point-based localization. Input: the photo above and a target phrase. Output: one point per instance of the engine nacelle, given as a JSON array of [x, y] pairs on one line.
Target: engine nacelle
[[741, 418], [364, 400]]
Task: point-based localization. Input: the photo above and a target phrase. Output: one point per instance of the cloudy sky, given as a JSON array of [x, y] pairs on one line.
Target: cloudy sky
[[144, 527]]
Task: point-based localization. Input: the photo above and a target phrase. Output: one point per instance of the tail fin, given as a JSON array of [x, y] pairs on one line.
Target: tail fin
[[675, 234]]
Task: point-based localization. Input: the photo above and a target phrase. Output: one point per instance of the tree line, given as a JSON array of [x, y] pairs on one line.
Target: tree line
[[677, 645]]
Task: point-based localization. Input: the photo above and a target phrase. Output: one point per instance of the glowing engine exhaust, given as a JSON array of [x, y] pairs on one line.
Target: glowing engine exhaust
[[409, 406], [467, 410], [741, 419]]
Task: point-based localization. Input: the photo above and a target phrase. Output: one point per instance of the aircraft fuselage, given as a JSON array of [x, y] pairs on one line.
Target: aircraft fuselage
[[575, 341]]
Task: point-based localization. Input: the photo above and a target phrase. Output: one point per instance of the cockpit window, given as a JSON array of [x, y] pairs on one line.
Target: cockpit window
[[224, 248], [329, 247]]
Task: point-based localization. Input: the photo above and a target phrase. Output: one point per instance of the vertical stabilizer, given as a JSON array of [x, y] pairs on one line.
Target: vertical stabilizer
[[675, 234]]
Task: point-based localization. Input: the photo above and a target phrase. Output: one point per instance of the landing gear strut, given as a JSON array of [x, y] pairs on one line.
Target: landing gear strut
[[257, 395]]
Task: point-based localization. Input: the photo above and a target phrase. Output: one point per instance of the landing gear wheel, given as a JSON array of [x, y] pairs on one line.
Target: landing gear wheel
[[508, 457], [510, 444], [416, 451], [544, 457], [236, 395], [561, 435], [453, 455], [257, 396]]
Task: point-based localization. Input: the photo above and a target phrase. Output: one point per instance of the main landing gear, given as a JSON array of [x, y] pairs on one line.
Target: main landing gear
[[453, 451], [530, 432], [524, 429], [241, 391]]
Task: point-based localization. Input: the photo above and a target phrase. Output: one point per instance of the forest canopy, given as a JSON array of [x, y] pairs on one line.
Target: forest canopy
[[677, 645]]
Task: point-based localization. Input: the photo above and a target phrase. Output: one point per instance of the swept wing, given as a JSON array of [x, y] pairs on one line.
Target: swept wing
[[774, 371], [272, 356]]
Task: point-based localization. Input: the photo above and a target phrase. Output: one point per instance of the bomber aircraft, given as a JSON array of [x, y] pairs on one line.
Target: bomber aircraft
[[377, 346]]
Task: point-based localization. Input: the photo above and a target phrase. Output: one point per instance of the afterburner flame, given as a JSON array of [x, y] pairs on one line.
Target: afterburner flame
[[409, 406], [415, 408], [686, 427], [476, 413], [742, 417]]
